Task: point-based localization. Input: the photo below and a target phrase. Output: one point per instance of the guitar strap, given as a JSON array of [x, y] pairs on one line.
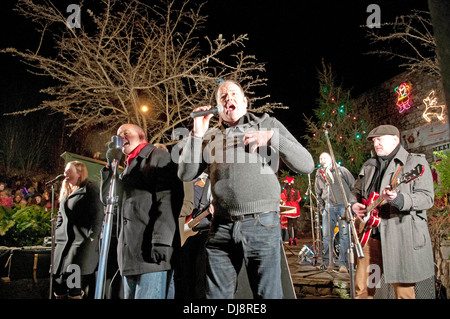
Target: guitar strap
[[396, 174], [324, 175], [204, 200]]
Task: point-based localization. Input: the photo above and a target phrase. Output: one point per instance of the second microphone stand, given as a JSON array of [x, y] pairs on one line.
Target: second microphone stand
[[53, 243], [315, 224], [348, 218], [111, 206]]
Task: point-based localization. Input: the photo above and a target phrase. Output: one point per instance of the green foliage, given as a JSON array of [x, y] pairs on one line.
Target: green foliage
[[350, 125], [6, 220], [343, 290], [439, 217], [442, 188], [24, 226]]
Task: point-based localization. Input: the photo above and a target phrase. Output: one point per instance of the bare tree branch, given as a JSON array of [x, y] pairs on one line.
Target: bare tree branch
[[129, 54], [413, 37]]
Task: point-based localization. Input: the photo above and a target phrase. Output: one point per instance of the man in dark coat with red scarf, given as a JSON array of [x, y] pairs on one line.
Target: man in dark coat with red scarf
[[151, 197]]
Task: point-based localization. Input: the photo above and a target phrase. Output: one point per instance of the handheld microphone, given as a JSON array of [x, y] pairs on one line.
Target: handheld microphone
[[214, 110], [57, 178]]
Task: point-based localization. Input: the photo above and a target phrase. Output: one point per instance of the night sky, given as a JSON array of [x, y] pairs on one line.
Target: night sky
[[291, 37]]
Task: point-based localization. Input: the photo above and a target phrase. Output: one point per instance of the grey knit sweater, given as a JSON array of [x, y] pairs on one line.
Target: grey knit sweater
[[243, 182]]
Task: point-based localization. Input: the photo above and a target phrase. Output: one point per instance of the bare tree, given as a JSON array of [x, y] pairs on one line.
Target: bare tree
[[413, 36], [127, 55]]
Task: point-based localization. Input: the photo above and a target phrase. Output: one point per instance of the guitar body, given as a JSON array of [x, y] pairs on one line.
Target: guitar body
[[185, 230], [186, 225], [373, 220]]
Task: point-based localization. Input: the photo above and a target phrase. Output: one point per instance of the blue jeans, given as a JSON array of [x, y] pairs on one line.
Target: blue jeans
[[256, 240], [153, 285], [335, 211]]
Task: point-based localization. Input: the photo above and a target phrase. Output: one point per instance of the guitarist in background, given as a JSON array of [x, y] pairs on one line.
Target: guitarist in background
[[400, 247], [190, 278], [330, 202]]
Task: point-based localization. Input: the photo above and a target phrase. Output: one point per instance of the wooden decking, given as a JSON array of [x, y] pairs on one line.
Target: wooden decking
[[311, 282]]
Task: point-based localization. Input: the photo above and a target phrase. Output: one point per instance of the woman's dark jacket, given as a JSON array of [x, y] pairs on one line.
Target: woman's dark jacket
[[78, 229]]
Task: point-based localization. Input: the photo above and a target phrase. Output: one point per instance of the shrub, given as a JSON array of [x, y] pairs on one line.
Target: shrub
[[442, 166], [24, 226]]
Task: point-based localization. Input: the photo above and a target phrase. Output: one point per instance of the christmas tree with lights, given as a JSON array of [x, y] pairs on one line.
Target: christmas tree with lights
[[347, 126]]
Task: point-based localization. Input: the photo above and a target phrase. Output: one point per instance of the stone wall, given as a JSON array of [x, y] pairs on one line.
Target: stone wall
[[382, 104]]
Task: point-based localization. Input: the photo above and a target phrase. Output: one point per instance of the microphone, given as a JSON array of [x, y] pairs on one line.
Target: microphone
[[214, 110], [327, 125], [114, 151], [116, 142], [57, 178]]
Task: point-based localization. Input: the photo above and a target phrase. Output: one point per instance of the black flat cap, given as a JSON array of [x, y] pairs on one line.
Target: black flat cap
[[383, 130]]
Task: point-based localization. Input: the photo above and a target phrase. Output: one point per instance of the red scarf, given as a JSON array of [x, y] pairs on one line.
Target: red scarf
[[135, 152]]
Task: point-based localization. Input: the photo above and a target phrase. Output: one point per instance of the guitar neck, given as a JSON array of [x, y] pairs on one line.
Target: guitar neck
[[380, 199], [377, 202], [197, 219]]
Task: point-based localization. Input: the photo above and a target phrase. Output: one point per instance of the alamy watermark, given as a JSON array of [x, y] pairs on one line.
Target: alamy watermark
[[74, 279], [374, 19], [228, 148], [374, 278], [74, 20]]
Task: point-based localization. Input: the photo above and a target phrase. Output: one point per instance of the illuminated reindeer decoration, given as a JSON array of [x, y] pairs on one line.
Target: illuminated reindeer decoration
[[431, 107]]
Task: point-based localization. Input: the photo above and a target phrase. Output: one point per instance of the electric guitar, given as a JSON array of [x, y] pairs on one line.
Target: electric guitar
[[372, 220], [186, 224]]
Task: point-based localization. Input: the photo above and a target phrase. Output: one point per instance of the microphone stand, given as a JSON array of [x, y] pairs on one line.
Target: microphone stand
[[315, 227], [327, 210], [318, 254], [348, 218], [52, 251], [111, 204]]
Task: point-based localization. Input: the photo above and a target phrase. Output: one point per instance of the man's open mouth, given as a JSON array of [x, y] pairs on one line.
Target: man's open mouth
[[230, 108]]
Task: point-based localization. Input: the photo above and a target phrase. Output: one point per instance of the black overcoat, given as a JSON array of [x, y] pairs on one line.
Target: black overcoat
[[150, 200]]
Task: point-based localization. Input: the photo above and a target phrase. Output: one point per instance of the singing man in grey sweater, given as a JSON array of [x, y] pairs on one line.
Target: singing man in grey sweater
[[242, 157]]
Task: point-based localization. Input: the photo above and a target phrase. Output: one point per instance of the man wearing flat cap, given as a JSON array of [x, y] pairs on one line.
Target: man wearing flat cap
[[400, 247]]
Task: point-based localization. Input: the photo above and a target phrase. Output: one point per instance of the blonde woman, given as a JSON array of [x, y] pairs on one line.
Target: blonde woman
[[78, 229]]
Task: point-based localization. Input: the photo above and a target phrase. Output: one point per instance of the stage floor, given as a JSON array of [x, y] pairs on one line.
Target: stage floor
[[310, 282]]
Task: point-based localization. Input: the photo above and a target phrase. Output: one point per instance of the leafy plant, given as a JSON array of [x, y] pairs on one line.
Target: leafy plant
[[24, 226], [442, 167], [343, 291], [439, 227], [6, 220], [439, 224]]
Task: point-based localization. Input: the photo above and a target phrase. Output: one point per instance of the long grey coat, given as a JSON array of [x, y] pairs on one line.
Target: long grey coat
[[405, 240]]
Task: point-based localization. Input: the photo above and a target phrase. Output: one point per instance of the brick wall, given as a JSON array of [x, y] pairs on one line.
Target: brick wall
[[382, 103]]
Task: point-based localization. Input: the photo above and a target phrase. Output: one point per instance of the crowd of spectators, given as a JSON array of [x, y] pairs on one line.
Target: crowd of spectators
[[25, 192]]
